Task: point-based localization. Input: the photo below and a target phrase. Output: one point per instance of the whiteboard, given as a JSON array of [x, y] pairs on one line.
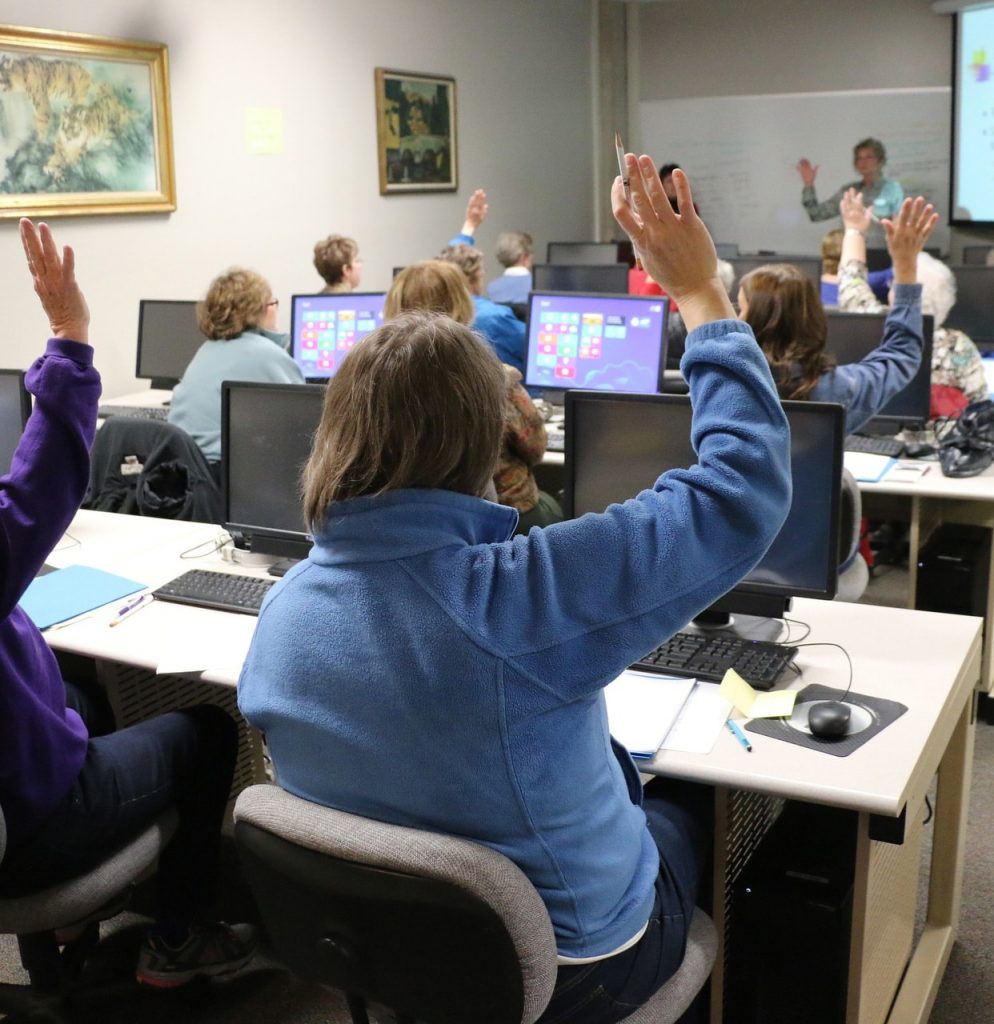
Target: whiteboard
[[740, 153]]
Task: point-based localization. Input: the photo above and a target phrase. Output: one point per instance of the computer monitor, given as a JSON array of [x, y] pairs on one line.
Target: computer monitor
[[809, 265], [879, 259], [15, 407], [976, 255], [325, 328], [266, 432], [617, 445], [598, 342], [608, 278], [168, 338], [973, 313], [587, 253], [852, 336]]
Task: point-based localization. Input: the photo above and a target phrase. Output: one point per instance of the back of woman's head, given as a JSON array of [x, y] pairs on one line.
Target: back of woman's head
[[235, 301], [831, 250], [468, 259], [332, 255], [432, 286], [420, 403], [938, 287], [785, 312]]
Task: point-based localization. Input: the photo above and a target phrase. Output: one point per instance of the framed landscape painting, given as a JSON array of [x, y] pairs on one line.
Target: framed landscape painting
[[416, 132], [84, 125]]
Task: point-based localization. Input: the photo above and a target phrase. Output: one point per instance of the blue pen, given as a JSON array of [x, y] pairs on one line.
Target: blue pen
[[734, 729], [132, 604]]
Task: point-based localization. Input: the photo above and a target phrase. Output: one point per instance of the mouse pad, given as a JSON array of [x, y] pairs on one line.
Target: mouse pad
[[869, 716]]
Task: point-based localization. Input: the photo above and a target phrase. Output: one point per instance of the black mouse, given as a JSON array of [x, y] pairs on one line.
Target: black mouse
[[829, 719], [919, 450]]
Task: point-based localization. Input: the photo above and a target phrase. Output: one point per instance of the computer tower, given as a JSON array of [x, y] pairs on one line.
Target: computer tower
[[952, 571], [789, 922]]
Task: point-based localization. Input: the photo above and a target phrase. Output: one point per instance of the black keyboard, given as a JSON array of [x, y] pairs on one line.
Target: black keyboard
[[221, 590], [879, 444], [135, 412], [707, 656]]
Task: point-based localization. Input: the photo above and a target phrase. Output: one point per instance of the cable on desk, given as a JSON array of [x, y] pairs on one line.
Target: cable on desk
[[826, 643], [795, 622], [73, 543], [211, 545]]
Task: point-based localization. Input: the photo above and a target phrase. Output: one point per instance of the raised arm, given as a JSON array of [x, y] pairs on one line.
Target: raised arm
[[49, 471], [476, 213]]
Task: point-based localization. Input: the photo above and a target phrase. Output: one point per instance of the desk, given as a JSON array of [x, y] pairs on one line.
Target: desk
[[928, 503], [931, 663], [927, 661], [141, 399]]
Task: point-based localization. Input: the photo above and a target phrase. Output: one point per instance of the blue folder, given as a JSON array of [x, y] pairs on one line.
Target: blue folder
[[75, 590]]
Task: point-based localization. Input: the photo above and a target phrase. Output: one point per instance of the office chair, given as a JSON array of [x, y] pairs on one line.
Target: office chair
[[151, 468], [435, 928], [78, 903], [854, 574]]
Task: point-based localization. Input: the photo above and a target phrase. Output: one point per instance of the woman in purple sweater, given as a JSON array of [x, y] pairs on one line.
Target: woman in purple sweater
[[70, 799]]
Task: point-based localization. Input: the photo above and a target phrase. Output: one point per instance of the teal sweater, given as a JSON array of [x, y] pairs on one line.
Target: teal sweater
[[424, 668], [256, 355]]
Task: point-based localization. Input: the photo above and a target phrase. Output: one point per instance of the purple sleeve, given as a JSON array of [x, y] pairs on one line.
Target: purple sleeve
[[49, 472]]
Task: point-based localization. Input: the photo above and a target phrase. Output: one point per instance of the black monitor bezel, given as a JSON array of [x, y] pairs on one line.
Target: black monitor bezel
[[277, 542], [293, 322], [763, 259], [601, 246], [539, 268], [25, 404], [664, 344], [748, 593], [165, 383], [921, 379], [984, 342]]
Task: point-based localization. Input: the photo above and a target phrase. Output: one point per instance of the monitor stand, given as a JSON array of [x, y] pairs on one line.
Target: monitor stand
[[767, 626]]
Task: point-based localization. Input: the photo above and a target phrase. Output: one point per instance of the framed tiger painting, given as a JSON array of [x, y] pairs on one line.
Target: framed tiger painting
[[84, 125]]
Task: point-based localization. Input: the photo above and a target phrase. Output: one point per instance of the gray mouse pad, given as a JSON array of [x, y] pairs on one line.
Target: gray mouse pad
[[869, 716]]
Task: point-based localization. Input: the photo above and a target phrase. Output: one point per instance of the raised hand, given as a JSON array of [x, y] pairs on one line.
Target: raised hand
[[476, 211], [854, 213], [675, 248], [906, 236], [807, 171], [55, 284]]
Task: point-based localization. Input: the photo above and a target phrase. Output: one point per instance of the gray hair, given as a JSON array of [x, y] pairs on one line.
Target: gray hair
[[938, 287], [512, 245]]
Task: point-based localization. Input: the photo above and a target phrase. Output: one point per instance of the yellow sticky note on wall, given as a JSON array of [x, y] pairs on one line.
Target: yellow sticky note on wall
[[775, 704]]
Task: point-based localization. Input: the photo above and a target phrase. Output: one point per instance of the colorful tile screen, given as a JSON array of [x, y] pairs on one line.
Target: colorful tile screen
[[325, 328], [596, 342]]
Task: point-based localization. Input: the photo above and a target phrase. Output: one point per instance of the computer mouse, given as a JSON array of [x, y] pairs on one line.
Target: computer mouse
[[919, 450], [829, 719]]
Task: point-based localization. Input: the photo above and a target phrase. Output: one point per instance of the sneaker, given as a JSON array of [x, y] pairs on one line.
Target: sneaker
[[211, 951]]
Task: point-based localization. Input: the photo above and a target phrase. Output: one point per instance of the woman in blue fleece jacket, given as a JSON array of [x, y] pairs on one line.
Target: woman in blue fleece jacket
[[419, 631]]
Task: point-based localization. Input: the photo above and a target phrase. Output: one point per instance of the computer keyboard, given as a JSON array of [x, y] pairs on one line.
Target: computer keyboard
[[875, 445], [135, 412], [707, 656], [220, 590], [555, 441]]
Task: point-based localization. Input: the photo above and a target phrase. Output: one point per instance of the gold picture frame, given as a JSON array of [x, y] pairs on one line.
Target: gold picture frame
[[416, 132], [85, 125]]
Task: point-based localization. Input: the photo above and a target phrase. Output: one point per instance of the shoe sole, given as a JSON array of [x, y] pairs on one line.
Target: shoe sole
[[176, 979]]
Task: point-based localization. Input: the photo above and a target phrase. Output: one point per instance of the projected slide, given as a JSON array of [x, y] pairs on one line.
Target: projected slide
[[973, 184]]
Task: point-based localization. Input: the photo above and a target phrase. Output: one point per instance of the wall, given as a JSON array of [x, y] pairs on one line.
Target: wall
[[523, 121], [697, 48]]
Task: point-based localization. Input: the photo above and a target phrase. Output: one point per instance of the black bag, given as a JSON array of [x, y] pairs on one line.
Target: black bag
[[968, 448]]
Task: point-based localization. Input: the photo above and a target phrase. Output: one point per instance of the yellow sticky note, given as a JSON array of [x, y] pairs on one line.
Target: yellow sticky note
[[775, 704]]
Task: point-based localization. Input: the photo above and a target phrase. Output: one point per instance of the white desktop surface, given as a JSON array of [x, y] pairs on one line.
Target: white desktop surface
[[934, 485], [141, 399]]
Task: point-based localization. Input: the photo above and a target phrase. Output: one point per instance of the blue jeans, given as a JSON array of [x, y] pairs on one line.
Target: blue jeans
[[680, 816], [183, 759]]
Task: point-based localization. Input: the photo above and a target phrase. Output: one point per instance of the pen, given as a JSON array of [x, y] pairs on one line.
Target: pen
[[626, 183], [734, 729], [133, 603], [133, 606]]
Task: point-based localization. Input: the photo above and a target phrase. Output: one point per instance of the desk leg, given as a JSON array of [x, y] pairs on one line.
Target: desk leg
[[921, 982]]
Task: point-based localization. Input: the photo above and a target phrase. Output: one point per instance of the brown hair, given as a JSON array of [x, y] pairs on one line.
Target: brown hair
[[788, 319], [432, 286], [420, 403], [468, 259], [235, 301], [332, 255], [831, 250], [872, 144]]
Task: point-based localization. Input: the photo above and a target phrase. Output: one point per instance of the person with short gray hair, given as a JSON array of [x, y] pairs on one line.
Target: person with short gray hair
[[515, 254]]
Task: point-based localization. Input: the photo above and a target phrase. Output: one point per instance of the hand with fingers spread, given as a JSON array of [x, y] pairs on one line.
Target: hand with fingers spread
[[476, 212], [854, 214], [675, 248], [807, 171], [55, 283], [906, 237]]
